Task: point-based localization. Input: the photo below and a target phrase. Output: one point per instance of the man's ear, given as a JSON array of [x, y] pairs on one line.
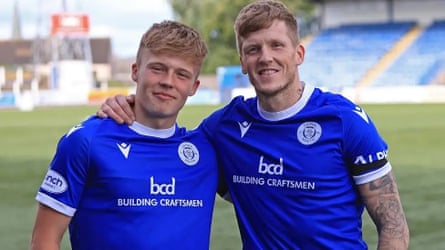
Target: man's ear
[[243, 69], [195, 87], [300, 54], [134, 72]]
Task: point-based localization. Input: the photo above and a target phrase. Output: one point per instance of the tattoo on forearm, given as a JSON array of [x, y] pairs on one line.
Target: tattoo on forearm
[[385, 185], [387, 212]]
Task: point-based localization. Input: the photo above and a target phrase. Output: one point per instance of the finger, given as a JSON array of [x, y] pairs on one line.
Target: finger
[[109, 112], [101, 114], [131, 99], [120, 108], [126, 103]]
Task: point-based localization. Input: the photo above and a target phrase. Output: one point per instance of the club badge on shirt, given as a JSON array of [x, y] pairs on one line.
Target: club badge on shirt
[[188, 153], [308, 133]]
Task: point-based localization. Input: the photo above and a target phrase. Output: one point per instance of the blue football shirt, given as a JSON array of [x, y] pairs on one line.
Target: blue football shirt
[[132, 187], [292, 175]]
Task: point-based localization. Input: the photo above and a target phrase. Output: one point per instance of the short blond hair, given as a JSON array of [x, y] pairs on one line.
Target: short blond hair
[[260, 15], [175, 39]]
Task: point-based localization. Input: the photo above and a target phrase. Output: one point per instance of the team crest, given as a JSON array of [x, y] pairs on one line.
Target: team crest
[[188, 153], [308, 133]]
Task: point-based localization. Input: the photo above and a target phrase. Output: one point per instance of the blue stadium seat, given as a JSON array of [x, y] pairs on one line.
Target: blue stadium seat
[[339, 57], [421, 62]]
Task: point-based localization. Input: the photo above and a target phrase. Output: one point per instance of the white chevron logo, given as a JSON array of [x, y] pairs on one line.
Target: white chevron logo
[[359, 111], [73, 129], [244, 127], [124, 148]]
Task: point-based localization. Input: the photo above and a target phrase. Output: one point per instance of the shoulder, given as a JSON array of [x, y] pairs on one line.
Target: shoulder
[[339, 105], [196, 136], [85, 130], [333, 100], [236, 105], [84, 127]]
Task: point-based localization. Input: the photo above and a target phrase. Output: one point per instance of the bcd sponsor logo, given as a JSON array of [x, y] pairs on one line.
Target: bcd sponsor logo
[[164, 188], [270, 168]]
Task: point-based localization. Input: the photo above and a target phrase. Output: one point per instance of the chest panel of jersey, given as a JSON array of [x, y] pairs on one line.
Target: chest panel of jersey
[[138, 192], [298, 184]]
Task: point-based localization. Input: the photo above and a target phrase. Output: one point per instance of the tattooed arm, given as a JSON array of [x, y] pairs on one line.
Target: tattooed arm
[[383, 203]]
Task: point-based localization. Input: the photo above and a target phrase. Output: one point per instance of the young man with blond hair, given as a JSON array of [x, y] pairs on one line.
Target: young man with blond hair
[[149, 185]]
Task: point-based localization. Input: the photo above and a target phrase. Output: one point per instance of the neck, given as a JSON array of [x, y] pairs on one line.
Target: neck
[[157, 123], [283, 99], [154, 120]]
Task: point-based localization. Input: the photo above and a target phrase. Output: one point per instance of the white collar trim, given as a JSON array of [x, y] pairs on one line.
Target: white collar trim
[[144, 130], [292, 110]]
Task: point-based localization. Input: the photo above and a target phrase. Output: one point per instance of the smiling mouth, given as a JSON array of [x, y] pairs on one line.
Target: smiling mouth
[[164, 96], [267, 71]]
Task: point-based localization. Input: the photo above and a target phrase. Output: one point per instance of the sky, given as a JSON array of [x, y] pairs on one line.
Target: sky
[[124, 21]]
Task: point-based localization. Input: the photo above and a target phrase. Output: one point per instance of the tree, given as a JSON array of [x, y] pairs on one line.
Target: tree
[[214, 19]]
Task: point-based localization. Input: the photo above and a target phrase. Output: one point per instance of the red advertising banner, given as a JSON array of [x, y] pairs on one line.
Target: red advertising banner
[[69, 23]]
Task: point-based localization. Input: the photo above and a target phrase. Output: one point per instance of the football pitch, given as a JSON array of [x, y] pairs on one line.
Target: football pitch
[[415, 134]]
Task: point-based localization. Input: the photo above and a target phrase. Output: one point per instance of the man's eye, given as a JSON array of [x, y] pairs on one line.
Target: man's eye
[[157, 69], [183, 75], [252, 50]]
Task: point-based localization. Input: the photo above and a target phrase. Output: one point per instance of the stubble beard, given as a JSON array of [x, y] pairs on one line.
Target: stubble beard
[[276, 91]]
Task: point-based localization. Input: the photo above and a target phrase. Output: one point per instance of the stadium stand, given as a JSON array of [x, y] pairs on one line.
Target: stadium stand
[[340, 56], [421, 62]]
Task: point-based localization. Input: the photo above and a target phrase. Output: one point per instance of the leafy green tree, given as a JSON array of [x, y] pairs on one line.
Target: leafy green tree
[[214, 19]]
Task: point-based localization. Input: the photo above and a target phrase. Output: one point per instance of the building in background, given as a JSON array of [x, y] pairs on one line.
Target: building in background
[[60, 65]]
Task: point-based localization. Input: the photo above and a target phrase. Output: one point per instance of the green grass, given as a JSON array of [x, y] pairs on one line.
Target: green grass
[[415, 133]]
